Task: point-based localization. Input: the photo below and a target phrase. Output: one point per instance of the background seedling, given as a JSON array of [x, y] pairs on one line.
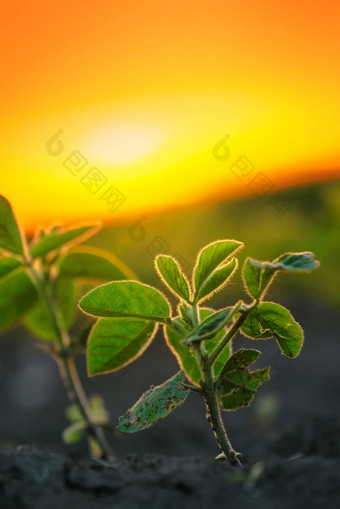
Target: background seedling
[[200, 337], [39, 281]]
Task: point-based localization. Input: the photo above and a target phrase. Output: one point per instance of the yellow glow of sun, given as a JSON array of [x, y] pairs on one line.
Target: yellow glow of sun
[[123, 144], [143, 94]]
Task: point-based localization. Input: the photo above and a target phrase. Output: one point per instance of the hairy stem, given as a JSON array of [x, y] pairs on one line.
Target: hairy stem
[[211, 399], [216, 422], [214, 411], [66, 362], [195, 314], [245, 310]]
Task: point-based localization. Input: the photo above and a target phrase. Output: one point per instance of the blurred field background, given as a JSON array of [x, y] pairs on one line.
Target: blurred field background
[[310, 223]]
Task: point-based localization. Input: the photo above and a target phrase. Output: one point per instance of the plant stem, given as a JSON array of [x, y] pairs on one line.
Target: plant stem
[[214, 414], [231, 333], [195, 314], [66, 362], [210, 396]]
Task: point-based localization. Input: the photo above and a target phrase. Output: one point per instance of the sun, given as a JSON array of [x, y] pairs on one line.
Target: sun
[[123, 144]]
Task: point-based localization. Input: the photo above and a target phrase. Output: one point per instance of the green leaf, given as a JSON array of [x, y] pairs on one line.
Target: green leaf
[[186, 313], [211, 257], [246, 379], [155, 404], [209, 327], [17, 295], [116, 342], [216, 281], [297, 262], [223, 357], [8, 264], [184, 354], [10, 236], [180, 325], [238, 384], [98, 412], [258, 276], [242, 359], [252, 328], [171, 274], [56, 240], [88, 262], [73, 413], [38, 319], [268, 320], [126, 298], [237, 399], [74, 433]]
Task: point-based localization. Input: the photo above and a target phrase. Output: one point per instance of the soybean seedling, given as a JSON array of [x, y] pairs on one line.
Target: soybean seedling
[[200, 337], [38, 289]]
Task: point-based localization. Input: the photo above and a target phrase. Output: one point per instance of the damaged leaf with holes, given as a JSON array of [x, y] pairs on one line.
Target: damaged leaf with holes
[[156, 403]]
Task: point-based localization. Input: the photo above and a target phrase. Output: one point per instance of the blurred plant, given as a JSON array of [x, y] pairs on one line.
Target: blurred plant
[[38, 289], [77, 429], [200, 337]]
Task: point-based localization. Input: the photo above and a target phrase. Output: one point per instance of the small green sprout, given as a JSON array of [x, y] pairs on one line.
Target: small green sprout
[[38, 288], [129, 313]]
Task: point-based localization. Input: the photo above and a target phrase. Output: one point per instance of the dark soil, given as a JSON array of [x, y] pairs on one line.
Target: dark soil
[[302, 469], [292, 460]]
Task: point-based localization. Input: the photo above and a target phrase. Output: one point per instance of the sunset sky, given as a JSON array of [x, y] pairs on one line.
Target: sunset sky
[[144, 91]]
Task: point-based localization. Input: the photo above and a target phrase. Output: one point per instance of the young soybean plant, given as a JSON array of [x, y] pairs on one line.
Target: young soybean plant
[[200, 337], [37, 288]]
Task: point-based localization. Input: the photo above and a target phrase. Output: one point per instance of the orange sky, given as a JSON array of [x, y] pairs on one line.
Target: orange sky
[[145, 90]]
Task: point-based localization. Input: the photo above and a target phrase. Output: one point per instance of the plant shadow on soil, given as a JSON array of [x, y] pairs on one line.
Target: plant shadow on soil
[[290, 436]]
